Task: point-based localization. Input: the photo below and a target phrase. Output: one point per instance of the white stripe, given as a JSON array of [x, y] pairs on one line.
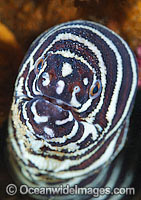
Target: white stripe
[[24, 112], [38, 119], [64, 138], [68, 54], [64, 121], [27, 78]]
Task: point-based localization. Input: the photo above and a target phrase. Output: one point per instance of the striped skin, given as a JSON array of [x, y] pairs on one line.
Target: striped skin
[[72, 102], [116, 175]]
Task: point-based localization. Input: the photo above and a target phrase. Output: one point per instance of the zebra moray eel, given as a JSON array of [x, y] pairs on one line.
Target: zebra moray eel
[[71, 107]]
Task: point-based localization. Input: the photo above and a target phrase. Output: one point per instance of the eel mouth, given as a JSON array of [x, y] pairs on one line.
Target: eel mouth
[[64, 106]]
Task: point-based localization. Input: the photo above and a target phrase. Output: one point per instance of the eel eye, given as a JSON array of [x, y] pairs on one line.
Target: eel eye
[[39, 65], [95, 89]]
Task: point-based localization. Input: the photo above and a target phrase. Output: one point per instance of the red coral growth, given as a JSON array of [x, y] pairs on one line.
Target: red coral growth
[[138, 55]]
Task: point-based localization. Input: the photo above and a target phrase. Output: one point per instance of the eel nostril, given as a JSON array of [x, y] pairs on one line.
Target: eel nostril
[[46, 79]]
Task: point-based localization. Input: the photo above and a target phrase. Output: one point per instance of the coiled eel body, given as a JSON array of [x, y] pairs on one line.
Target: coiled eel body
[[71, 107]]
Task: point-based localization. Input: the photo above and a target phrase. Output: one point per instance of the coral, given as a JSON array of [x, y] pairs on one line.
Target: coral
[[131, 25], [10, 57]]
